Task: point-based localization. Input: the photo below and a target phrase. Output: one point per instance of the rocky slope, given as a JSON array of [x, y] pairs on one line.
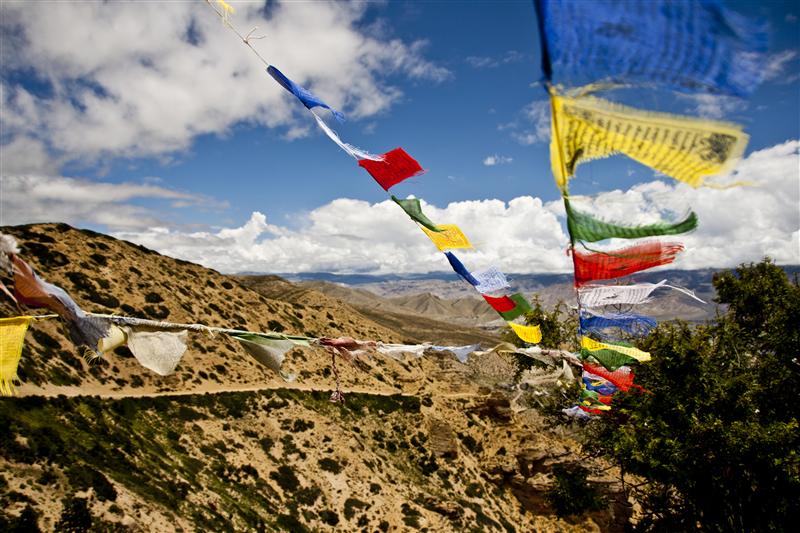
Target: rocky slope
[[420, 443]]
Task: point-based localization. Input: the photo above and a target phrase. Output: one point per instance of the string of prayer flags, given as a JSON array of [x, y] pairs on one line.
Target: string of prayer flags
[[449, 237], [629, 323], [688, 45], [351, 150], [460, 269], [227, 9], [509, 307], [32, 291], [413, 209], [306, 97], [634, 353], [269, 352], [490, 280], [159, 351], [529, 334], [12, 339], [395, 166], [686, 149], [584, 227], [595, 266]]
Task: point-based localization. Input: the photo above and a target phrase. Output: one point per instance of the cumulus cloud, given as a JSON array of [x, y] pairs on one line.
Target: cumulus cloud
[[495, 159], [151, 76], [525, 235], [27, 199]]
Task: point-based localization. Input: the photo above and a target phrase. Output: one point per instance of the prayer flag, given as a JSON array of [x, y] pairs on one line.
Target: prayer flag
[[448, 237], [12, 339], [584, 227], [609, 265], [414, 210], [304, 95], [629, 323], [267, 351], [351, 150], [622, 377], [33, 291], [530, 334], [395, 167], [159, 351], [598, 384], [687, 149], [460, 269], [461, 352], [687, 45], [634, 353], [490, 280], [509, 307]]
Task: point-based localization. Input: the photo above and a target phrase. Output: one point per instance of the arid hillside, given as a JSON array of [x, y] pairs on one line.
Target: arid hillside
[[426, 443]]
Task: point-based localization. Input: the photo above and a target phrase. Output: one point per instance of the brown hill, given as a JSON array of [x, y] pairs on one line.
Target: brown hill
[[438, 321]]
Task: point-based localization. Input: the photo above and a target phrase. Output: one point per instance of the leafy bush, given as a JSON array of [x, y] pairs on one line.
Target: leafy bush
[[717, 437], [571, 494]]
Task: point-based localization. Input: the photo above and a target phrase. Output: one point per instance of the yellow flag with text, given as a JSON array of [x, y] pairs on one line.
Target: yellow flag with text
[[684, 148], [449, 237], [12, 337]]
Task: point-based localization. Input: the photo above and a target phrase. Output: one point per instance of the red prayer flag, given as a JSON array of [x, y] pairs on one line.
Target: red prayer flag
[[622, 378], [609, 265], [504, 304], [395, 167]]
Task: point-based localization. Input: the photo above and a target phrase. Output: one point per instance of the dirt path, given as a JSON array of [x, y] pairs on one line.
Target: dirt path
[[53, 391]]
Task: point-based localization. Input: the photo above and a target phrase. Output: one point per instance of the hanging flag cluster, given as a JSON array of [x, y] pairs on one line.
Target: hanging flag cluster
[[159, 346], [692, 46], [394, 167]]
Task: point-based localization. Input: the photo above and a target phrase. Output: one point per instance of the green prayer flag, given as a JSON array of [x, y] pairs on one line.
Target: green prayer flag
[[414, 210], [270, 352], [610, 359], [521, 306], [586, 228]]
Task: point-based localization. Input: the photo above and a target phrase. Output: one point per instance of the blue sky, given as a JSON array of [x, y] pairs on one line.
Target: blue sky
[[171, 145]]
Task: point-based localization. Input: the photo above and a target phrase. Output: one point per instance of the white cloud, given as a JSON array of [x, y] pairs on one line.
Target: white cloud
[[532, 125], [777, 63], [512, 56], [524, 235], [713, 105], [151, 76], [495, 159], [27, 199]]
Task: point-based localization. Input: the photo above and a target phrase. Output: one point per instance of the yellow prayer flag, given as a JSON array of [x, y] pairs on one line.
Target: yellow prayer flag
[[449, 238], [12, 337], [593, 345], [684, 148], [531, 334]]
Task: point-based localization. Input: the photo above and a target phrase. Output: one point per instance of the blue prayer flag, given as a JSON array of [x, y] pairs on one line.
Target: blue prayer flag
[[460, 269], [687, 45], [302, 94], [629, 323]]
